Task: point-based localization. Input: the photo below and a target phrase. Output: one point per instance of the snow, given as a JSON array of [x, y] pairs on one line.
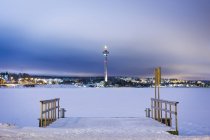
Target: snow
[[95, 129], [21, 107]]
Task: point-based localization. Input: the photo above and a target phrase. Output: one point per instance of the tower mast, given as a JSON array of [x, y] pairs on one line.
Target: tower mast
[[105, 53]]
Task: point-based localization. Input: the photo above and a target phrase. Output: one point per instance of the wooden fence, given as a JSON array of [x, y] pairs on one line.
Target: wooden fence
[[158, 107], [49, 111]]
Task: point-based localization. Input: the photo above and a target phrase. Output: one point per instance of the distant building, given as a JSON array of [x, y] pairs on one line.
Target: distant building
[[5, 76], [2, 81]]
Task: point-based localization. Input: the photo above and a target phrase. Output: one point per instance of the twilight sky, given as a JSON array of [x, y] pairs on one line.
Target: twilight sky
[[66, 37]]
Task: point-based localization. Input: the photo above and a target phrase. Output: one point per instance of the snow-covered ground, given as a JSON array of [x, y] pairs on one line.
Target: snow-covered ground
[[95, 129], [22, 107]]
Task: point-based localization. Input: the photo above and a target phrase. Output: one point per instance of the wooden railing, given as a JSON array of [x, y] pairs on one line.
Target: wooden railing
[[49, 111], [158, 107]]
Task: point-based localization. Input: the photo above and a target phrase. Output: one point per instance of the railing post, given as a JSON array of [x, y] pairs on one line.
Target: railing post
[[158, 86], [52, 112], [170, 116], [155, 93], [41, 115], [159, 111], [55, 109], [45, 115], [48, 114], [151, 109], [176, 117], [161, 120], [166, 121], [58, 108]]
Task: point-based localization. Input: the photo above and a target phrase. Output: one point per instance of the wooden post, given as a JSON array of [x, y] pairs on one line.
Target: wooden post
[[52, 111], [151, 109], [58, 108], [158, 82], [45, 115], [166, 121], [176, 117], [155, 92], [41, 115], [48, 114], [161, 113], [55, 108], [170, 116], [158, 111]]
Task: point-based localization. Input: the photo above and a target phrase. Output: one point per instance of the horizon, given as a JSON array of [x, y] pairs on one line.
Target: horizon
[[98, 76], [67, 37]]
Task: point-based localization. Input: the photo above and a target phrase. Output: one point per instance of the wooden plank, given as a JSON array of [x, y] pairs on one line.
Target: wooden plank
[[166, 110], [49, 109], [51, 100], [165, 101]]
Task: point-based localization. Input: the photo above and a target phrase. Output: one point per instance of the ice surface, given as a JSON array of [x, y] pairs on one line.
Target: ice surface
[[22, 107]]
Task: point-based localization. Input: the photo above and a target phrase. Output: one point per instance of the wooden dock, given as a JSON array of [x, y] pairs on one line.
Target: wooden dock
[[160, 106], [141, 128], [162, 111]]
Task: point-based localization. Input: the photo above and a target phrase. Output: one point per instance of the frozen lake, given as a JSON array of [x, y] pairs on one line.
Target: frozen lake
[[22, 107]]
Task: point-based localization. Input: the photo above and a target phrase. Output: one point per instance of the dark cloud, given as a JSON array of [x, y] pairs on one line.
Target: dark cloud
[[68, 37]]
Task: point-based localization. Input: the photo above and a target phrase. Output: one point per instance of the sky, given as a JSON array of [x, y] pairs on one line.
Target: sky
[[67, 37]]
